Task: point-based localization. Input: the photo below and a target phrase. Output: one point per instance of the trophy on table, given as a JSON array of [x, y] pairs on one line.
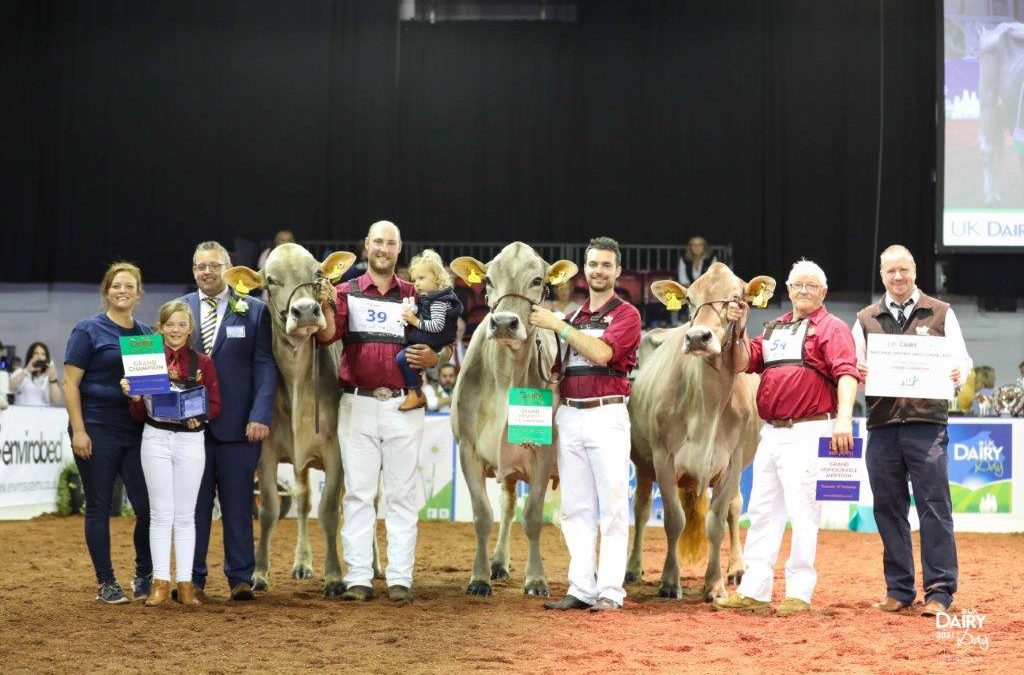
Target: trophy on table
[[1009, 400]]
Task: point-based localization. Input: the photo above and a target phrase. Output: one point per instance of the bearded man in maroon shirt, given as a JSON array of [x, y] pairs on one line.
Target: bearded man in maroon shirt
[[376, 438]]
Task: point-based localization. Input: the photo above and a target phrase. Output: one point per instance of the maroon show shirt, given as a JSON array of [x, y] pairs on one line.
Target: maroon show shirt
[[623, 336], [367, 364], [798, 391]]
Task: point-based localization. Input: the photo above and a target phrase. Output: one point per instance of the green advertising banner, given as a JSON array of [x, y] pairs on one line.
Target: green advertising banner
[[529, 416]]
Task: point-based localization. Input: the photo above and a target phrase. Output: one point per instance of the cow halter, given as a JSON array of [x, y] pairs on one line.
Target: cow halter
[[558, 341], [317, 282], [730, 326]]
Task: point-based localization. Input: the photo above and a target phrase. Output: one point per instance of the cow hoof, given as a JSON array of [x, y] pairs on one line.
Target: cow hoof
[[260, 584], [479, 588], [735, 579], [537, 589], [499, 572], [671, 592], [302, 572], [334, 589], [633, 578]]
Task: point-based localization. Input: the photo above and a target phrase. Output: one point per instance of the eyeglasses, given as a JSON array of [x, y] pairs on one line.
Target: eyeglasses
[[810, 288], [213, 267]]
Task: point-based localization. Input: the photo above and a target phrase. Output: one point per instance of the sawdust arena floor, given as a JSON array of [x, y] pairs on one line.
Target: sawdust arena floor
[[50, 622]]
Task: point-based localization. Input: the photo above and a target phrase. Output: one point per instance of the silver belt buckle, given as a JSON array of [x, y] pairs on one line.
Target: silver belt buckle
[[382, 393]]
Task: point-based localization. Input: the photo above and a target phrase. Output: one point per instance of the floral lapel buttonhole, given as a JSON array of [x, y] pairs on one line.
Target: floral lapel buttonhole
[[238, 306]]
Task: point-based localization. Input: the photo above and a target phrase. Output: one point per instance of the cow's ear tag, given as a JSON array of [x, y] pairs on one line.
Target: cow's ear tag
[[763, 296], [557, 279], [474, 277], [672, 303], [241, 288], [335, 274]]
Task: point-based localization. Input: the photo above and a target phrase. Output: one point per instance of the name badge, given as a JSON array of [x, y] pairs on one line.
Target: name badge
[[369, 315], [786, 343], [235, 331]]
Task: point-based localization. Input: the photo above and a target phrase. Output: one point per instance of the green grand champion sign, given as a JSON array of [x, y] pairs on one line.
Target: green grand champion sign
[[144, 364], [529, 416]]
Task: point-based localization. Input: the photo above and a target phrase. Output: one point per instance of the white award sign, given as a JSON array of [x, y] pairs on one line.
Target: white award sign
[[912, 366]]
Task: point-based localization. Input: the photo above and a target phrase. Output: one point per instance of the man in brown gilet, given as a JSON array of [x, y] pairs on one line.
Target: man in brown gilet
[[907, 438]]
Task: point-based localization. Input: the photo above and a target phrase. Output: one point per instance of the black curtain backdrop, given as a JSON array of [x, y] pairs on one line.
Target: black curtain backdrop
[[135, 129]]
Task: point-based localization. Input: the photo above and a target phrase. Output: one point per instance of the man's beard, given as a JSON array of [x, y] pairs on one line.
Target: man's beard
[[377, 263]]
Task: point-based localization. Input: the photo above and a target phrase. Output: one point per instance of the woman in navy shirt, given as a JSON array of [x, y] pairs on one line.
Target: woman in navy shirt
[[104, 437]]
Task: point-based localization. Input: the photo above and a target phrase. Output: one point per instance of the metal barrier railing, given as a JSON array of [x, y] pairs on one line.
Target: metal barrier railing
[[635, 257]]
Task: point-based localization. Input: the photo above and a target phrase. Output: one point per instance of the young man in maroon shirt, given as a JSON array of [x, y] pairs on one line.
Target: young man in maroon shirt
[[376, 438], [593, 432], [809, 377]]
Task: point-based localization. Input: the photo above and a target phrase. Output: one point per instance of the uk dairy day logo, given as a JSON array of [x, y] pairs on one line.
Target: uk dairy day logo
[[980, 468], [965, 629]]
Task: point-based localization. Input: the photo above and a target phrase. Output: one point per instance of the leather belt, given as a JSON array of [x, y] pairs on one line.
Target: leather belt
[[594, 402], [786, 424], [380, 393]]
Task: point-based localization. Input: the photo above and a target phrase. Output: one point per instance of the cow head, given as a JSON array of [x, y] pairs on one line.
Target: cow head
[[707, 298], [514, 281], [291, 277]]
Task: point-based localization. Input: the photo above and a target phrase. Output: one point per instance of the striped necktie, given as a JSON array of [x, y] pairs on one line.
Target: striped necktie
[[209, 327], [901, 317]]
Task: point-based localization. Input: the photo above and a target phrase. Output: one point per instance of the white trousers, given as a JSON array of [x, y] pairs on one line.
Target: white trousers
[[378, 440], [593, 472], [173, 463], [785, 477]]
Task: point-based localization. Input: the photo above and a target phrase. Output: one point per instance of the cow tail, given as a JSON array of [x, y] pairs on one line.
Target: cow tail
[[693, 543]]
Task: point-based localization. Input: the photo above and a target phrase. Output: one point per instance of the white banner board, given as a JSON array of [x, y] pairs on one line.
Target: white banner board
[[34, 447]]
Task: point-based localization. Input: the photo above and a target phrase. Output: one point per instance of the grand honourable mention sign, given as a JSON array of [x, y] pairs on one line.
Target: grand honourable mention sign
[[529, 416], [914, 366]]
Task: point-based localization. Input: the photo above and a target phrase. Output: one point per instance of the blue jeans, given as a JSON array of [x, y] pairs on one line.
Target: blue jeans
[[917, 451], [115, 452], [413, 378]]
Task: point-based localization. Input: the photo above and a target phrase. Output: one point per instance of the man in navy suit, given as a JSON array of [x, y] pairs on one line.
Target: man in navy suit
[[235, 332]]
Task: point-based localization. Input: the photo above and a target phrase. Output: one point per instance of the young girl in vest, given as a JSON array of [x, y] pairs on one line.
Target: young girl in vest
[[432, 321], [174, 456]]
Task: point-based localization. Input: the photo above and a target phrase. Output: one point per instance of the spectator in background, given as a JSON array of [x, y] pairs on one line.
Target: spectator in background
[[978, 390], [439, 394], [563, 300], [36, 383], [696, 259], [1020, 369], [282, 237], [4, 378]]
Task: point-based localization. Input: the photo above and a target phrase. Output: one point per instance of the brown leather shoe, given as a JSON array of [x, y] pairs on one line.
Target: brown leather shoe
[[933, 608], [605, 605], [357, 594], [159, 593], [568, 602], [242, 592], [891, 604], [398, 593], [413, 399], [187, 594]]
